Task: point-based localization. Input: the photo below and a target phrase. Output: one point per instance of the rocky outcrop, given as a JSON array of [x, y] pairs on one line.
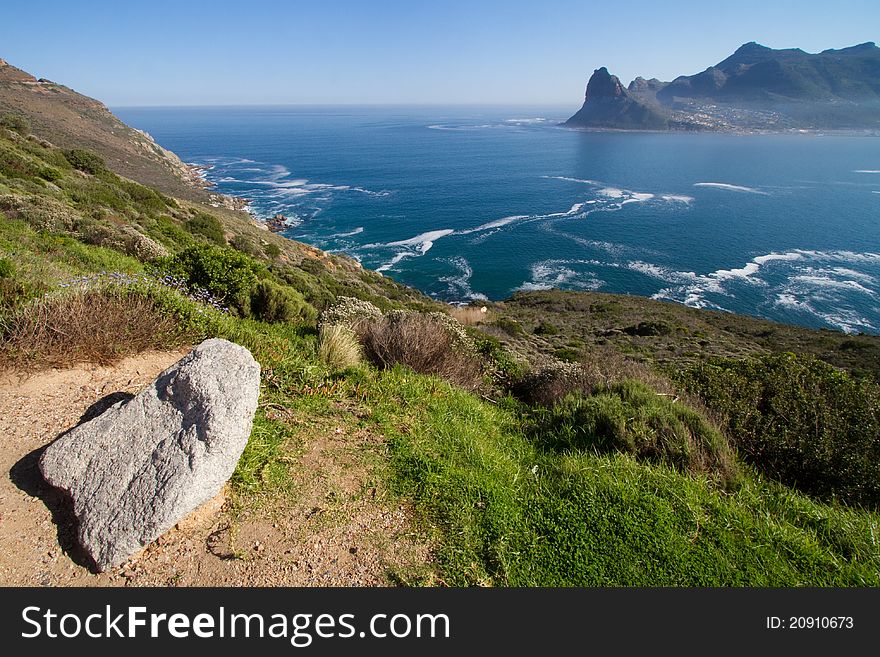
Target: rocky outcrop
[[144, 464], [608, 105]]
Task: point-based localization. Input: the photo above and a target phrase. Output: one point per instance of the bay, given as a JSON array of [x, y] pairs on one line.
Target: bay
[[471, 203]]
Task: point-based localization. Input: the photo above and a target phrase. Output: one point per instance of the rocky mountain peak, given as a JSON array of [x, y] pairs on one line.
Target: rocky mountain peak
[[604, 85]]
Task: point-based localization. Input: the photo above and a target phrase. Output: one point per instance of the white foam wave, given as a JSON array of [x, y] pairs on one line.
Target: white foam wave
[[497, 223], [574, 180], [678, 198], [731, 188], [424, 241], [351, 233], [831, 283], [459, 284], [397, 258], [549, 274], [825, 292], [661, 273], [866, 170]]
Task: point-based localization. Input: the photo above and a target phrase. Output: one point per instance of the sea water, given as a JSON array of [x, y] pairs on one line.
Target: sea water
[[474, 203]]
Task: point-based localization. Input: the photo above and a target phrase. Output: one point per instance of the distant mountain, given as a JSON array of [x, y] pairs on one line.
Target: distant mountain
[[757, 73], [759, 88], [608, 105]]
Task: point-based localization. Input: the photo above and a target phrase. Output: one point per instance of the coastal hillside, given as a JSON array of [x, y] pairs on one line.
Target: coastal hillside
[[68, 119], [552, 439], [756, 88]]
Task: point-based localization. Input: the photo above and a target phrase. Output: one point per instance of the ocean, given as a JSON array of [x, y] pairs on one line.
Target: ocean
[[472, 203]]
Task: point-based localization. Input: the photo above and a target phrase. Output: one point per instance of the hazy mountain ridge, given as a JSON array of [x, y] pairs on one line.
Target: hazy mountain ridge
[[756, 88]]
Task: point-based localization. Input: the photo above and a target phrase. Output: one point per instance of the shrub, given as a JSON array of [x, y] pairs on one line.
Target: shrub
[[649, 328], [272, 251], [424, 343], [503, 365], [245, 245], [798, 420], [41, 212], [629, 417], [126, 239], [568, 354], [338, 346], [166, 227], [546, 328], [470, 315], [100, 325], [349, 312], [509, 326], [85, 161], [272, 302], [550, 384], [227, 274], [50, 173], [600, 368], [16, 123], [207, 226]]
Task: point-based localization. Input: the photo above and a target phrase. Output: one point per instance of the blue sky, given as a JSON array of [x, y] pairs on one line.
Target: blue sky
[[388, 52]]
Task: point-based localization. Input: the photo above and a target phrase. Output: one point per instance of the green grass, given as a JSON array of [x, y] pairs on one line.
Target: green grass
[[509, 513]]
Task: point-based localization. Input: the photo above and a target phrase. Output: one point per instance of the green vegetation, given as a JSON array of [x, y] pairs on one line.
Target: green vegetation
[[85, 161], [799, 421], [509, 512], [15, 123], [208, 227], [522, 470]]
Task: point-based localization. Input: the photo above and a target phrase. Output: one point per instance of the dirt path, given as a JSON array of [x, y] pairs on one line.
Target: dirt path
[[334, 528]]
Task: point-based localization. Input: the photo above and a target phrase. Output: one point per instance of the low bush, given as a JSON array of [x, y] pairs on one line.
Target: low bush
[[424, 343], [40, 212], [546, 328], [85, 161], [207, 226], [550, 384], [509, 326], [631, 418], [225, 273], [568, 354], [349, 312], [272, 302], [15, 123], [503, 365], [798, 420], [246, 245], [338, 346], [470, 315], [98, 325]]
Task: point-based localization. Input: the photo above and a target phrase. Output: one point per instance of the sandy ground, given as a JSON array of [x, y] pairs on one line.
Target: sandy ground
[[333, 529]]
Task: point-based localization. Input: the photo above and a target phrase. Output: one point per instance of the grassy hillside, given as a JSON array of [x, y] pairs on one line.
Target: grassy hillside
[[628, 466]]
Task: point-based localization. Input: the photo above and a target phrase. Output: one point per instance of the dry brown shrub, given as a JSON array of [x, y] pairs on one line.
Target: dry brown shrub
[[423, 343], [600, 368], [98, 326], [469, 315]]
